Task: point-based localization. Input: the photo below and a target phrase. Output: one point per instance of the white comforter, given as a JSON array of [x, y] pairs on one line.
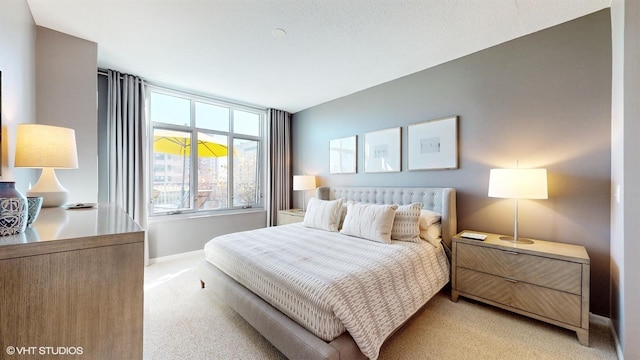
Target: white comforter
[[328, 282]]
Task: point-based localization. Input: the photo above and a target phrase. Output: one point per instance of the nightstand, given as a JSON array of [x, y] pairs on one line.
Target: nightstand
[[290, 216], [548, 281]]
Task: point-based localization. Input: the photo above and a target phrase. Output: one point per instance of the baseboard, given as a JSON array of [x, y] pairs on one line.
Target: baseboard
[[175, 256], [617, 341], [599, 319], [605, 321]]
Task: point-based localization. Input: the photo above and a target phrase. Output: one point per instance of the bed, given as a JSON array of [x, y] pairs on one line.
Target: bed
[[332, 339]]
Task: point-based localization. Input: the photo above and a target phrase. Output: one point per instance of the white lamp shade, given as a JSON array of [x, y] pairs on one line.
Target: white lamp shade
[[44, 146], [518, 183], [49, 148], [304, 182]]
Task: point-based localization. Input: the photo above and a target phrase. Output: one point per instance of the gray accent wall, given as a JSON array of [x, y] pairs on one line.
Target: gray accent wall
[[543, 100], [66, 96]]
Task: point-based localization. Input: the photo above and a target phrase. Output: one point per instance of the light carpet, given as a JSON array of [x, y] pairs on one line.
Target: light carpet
[[183, 321]]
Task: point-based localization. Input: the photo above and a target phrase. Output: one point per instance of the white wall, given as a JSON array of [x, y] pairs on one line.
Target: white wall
[[169, 236], [625, 174], [66, 68], [17, 63], [617, 166], [632, 177]]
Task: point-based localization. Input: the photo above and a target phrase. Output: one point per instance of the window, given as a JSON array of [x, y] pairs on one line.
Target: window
[[224, 171]]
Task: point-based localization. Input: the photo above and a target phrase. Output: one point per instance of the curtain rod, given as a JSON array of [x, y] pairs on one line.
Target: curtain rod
[[105, 72]]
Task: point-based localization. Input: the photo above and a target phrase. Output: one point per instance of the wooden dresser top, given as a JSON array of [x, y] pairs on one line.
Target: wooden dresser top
[[58, 229]]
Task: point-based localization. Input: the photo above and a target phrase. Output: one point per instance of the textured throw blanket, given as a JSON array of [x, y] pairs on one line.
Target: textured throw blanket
[[328, 282]]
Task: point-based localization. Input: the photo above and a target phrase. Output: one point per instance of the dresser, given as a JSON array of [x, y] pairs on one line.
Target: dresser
[[290, 216], [71, 286], [548, 281]]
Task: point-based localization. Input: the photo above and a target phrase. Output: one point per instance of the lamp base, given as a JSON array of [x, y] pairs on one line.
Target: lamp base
[[518, 241], [48, 186], [50, 198]]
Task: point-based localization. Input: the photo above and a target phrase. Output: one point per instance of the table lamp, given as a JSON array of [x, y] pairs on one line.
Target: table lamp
[[49, 148], [518, 184], [304, 183]]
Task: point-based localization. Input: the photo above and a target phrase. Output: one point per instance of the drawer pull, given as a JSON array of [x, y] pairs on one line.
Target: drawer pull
[[511, 252], [511, 280]]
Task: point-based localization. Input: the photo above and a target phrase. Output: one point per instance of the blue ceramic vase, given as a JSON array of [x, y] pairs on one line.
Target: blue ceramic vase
[[13, 209], [34, 204]]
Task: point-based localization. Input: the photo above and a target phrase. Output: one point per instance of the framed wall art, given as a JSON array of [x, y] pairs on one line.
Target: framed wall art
[[433, 145], [382, 150], [343, 155]]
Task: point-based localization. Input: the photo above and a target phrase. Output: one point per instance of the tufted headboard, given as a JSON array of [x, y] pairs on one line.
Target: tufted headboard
[[442, 200]]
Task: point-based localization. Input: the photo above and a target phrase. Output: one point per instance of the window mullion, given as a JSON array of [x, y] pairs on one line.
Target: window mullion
[[230, 159], [194, 159]]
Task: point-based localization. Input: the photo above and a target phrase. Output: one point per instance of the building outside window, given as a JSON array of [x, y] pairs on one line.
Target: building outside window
[[222, 171]]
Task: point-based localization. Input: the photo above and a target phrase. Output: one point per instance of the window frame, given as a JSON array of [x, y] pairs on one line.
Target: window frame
[[261, 166]]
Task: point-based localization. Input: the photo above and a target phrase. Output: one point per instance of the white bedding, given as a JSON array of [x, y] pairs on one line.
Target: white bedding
[[328, 282]]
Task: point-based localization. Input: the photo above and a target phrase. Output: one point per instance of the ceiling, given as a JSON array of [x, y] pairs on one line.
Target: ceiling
[[332, 48]]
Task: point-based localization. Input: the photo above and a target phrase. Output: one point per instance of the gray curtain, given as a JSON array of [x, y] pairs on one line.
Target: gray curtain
[[127, 146], [279, 165]]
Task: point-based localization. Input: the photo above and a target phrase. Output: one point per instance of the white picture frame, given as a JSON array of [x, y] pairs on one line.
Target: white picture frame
[[343, 155], [433, 145], [382, 150]]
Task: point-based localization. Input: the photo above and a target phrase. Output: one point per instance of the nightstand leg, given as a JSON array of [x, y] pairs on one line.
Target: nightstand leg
[[454, 296], [583, 336]]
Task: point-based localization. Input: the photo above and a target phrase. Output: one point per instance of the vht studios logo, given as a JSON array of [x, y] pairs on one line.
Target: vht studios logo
[[44, 350]]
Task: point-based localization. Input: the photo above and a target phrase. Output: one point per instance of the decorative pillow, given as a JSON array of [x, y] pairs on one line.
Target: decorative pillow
[[369, 221], [323, 214], [406, 224], [432, 234], [343, 214], [428, 217]]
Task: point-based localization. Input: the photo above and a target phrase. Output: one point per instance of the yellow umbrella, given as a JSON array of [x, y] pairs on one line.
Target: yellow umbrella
[[179, 143]]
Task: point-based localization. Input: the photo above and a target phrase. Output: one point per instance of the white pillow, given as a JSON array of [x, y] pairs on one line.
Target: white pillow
[[428, 217], [369, 221], [432, 234], [406, 224], [323, 214]]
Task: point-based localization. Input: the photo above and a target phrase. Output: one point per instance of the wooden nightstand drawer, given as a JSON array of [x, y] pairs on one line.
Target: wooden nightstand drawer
[[551, 273], [552, 304]]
